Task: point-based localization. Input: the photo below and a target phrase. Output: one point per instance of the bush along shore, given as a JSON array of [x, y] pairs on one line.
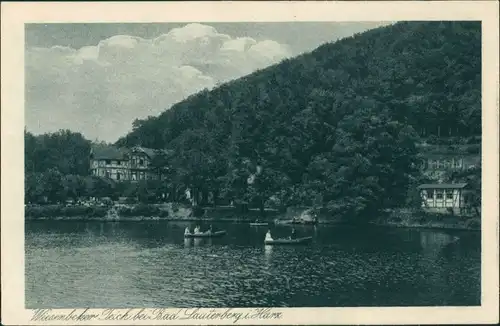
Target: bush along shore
[[403, 218], [416, 218], [142, 212], [137, 212]]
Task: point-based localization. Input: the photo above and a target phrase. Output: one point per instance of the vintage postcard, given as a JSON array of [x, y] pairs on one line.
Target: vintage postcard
[[250, 163]]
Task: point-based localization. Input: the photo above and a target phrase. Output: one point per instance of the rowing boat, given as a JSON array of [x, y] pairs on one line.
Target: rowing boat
[[205, 234], [288, 241], [295, 222], [258, 224]]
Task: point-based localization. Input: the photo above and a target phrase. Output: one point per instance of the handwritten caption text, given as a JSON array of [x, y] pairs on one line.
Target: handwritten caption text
[[143, 314]]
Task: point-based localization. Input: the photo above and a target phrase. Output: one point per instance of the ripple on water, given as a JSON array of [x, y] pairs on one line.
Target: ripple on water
[[119, 267]]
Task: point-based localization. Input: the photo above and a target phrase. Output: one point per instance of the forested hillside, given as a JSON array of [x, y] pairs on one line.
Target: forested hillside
[[337, 126], [430, 73]]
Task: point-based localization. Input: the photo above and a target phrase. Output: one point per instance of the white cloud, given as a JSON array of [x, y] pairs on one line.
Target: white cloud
[[268, 49], [195, 31], [240, 44], [86, 53], [99, 90]]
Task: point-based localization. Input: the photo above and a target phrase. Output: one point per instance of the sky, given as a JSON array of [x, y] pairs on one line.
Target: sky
[[98, 78]]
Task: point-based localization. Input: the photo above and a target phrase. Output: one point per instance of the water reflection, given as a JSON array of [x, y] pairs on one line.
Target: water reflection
[[187, 242], [433, 244], [90, 230], [268, 251], [434, 241]]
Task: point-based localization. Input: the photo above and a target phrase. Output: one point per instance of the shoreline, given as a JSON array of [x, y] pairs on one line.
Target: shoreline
[[432, 226], [174, 212], [429, 227]]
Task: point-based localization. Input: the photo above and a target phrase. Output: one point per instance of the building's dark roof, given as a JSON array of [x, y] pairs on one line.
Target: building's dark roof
[[107, 152], [450, 156], [442, 186], [151, 152], [455, 150]]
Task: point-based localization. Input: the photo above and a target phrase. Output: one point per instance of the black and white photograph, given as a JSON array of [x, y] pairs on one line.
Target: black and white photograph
[[250, 164]]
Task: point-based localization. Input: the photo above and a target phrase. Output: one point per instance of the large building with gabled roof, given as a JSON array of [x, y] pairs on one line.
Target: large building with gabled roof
[[124, 164]]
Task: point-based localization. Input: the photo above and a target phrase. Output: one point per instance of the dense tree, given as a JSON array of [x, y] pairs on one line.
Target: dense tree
[[33, 187], [66, 151], [75, 186], [52, 181], [54, 187]]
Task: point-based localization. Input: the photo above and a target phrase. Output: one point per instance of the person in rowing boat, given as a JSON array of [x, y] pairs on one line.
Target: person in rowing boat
[[197, 230], [187, 231], [268, 236], [210, 229], [294, 234]]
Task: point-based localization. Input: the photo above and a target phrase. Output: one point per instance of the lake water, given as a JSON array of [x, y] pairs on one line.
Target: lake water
[[149, 264]]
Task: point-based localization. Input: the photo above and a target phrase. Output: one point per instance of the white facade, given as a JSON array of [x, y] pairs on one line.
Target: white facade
[[113, 169], [133, 165], [444, 198]]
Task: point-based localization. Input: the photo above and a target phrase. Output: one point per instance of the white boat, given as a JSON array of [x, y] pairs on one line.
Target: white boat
[[259, 224]]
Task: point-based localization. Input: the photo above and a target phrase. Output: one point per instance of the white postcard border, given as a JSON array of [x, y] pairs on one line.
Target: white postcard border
[[15, 15]]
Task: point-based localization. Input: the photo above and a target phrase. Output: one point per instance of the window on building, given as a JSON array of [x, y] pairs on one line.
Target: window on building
[[439, 194], [449, 194], [141, 162], [430, 194], [107, 162]]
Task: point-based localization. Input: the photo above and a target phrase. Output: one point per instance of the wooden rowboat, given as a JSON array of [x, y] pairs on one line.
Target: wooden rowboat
[[259, 224], [288, 241], [205, 234], [295, 222]]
